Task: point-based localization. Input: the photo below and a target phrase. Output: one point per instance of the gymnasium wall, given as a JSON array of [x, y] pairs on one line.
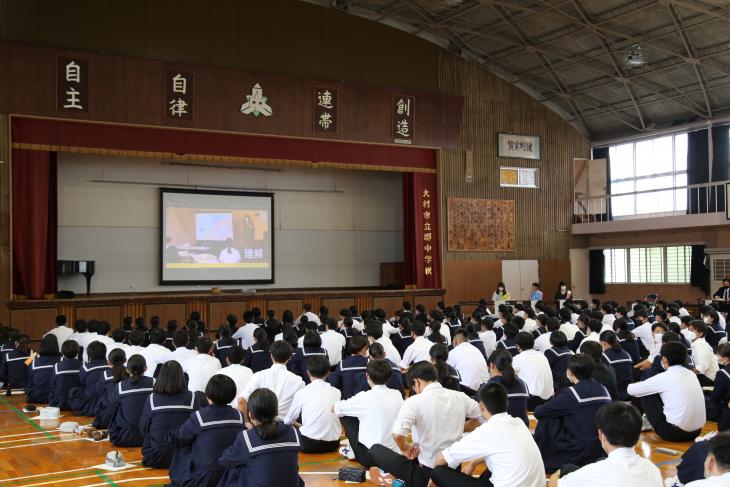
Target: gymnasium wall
[[333, 228]]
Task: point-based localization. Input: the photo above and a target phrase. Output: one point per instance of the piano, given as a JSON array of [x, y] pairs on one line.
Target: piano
[[85, 267]]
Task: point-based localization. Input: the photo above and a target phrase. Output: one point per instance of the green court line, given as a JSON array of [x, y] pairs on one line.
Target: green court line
[[105, 478], [25, 418]]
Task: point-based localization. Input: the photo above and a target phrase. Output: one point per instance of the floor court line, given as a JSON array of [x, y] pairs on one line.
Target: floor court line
[[94, 476], [123, 481], [2, 481], [52, 442], [25, 418], [35, 432]]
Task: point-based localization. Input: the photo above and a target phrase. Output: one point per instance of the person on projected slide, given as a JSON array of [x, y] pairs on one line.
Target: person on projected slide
[[229, 255], [171, 251]]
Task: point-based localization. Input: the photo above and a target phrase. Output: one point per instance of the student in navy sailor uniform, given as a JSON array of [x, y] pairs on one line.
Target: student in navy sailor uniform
[[500, 370], [717, 402], [109, 380], [403, 339], [349, 374], [41, 370], [169, 406], [602, 372], [566, 432], [171, 329], [541, 328], [581, 334], [224, 344], [349, 332], [620, 360], [377, 352], [266, 454], [83, 399], [311, 346], [474, 339], [65, 375], [202, 438], [692, 466], [13, 371], [508, 341], [558, 356], [627, 340], [715, 333], [257, 356], [448, 376], [132, 394]]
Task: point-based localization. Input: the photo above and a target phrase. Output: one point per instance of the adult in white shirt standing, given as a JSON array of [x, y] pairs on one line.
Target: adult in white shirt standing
[[240, 374], [435, 417], [717, 464], [201, 367], [619, 429], [672, 400], [533, 368], [469, 362], [245, 333], [504, 443], [334, 342], [229, 255], [61, 331]]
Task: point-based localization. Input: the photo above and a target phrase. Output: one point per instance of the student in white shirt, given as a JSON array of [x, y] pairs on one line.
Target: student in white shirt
[[181, 353], [136, 338], [201, 367], [61, 331], [703, 356], [504, 443], [530, 321], [375, 334], [469, 362], [435, 417], [566, 325], [334, 342], [419, 350], [118, 337], [619, 429], [79, 334], [717, 464], [155, 348], [542, 342], [642, 329], [240, 374], [608, 316], [366, 425], [245, 333], [672, 401], [487, 335], [320, 429], [229, 255], [277, 378], [308, 313], [533, 367], [594, 328], [101, 336]]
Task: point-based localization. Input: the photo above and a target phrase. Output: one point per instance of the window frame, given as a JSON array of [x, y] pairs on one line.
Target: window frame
[[611, 269]]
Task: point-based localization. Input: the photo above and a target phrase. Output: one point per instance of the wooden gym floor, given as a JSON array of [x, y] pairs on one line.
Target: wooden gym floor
[[33, 453]]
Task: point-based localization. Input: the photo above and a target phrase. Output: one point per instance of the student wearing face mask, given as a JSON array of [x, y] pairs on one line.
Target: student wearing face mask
[[642, 329], [563, 293], [500, 294], [719, 401], [706, 364], [715, 330]]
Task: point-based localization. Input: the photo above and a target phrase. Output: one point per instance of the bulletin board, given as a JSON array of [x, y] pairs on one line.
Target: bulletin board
[[482, 225]]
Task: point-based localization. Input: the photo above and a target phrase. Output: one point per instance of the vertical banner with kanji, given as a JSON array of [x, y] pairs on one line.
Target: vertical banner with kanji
[[72, 85], [422, 258], [325, 109], [404, 116], [179, 95]]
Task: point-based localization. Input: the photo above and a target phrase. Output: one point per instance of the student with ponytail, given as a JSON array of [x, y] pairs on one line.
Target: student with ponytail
[[500, 370], [109, 382], [83, 399], [615, 356], [448, 377], [40, 371], [132, 394]]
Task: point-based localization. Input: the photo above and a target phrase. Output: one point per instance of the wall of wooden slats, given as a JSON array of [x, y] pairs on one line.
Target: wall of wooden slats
[[5, 267]]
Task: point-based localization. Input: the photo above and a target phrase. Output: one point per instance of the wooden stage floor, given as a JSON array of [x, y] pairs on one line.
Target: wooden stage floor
[[34, 454]]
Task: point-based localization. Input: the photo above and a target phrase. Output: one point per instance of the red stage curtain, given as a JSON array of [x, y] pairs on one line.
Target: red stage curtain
[[34, 223], [421, 255]]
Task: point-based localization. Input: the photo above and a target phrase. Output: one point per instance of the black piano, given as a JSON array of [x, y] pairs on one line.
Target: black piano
[[85, 267]]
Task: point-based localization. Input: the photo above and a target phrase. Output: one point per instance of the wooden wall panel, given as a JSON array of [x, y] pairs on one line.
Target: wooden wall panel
[[470, 280], [428, 301], [33, 322], [111, 314], [217, 313], [172, 311], [281, 305], [551, 273], [336, 304], [5, 235], [390, 304]]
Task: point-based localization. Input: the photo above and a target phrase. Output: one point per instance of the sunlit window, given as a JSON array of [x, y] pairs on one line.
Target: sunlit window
[[656, 265]]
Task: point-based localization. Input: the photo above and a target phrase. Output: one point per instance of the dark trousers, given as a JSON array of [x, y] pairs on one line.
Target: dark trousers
[[410, 471], [653, 407], [352, 431], [317, 446], [468, 391], [534, 401], [448, 477], [705, 381]]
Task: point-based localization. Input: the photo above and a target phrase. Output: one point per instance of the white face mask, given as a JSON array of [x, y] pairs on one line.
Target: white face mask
[[658, 337], [707, 320], [691, 336], [563, 288]]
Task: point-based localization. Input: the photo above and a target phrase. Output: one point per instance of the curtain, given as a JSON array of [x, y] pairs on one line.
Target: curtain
[[597, 272], [410, 262], [34, 223], [702, 200], [699, 274], [603, 153], [421, 255], [720, 165]]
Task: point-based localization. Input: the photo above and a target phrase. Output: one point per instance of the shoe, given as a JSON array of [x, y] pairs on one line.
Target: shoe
[[645, 424], [379, 477], [347, 452], [99, 435]]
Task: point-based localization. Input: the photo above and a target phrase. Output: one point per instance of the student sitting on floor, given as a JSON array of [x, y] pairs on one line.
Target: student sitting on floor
[[240, 374], [718, 403], [169, 406], [487, 335], [508, 340], [40, 371], [348, 373], [65, 375], [533, 368], [602, 372], [364, 424], [501, 371], [435, 417], [717, 465], [627, 339], [311, 347], [13, 371], [566, 431], [223, 344], [672, 401], [320, 429], [376, 352], [620, 360], [258, 357], [542, 342], [448, 376], [619, 429], [419, 350], [83, 399], [706, 365], [202, 366], [715, 331], [504, 443], [109, 380], [558, 356], [132, 393], [469, 362], [202, 438], [266, 454]]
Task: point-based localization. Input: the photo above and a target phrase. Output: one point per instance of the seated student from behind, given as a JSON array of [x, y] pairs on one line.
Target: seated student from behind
[[469, 362], [202, 438], [619, 428], [202, 366], [364, 424], [448, 376], [83, 399], [109, 381], [418, 351], [718, 405], [566, 432], [132, 393], [533, 367], [240, 374], [258, 357], [320, 429], [169, 406], [619, 360], [40, 371], [311, 347], [376, 352], [504, 443], [717, 464], [501, 371], [348, 373], [706, 365], [65, 375], [602, 372], [672, 401], [224, 344], [508, 340], [558, 356], [267, 453], [13, 371]]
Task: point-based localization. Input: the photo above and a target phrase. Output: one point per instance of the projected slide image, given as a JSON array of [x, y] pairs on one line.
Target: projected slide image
[[213, 226]]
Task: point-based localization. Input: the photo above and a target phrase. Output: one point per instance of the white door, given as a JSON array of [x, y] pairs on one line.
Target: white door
[[579, 274], [518, 276]]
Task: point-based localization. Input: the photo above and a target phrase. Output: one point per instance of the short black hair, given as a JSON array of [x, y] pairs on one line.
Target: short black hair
[[157, 336], [620, 422], [180, 338], [136, 337], [418, 328], [221, 389], [96, 351], [374, 329], [558, 339], [581, 365], [376, 350], [422, 370], [70, 349], [203, 345], [236, 354], [61, 320], [49, 346], [312, 339], [80, 326], [248, 316], [720, 449], [698, 325], [675, 353], [318, 366], [510, 330], [357, 343], [525, 340], [592, 349], [171, 379], [281, 351], [136, 365], [379, 371], [595, 325], [494, 397]]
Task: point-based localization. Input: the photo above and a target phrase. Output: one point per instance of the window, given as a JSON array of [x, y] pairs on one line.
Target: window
[[720, 268], [657, 265], [654, 164]]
